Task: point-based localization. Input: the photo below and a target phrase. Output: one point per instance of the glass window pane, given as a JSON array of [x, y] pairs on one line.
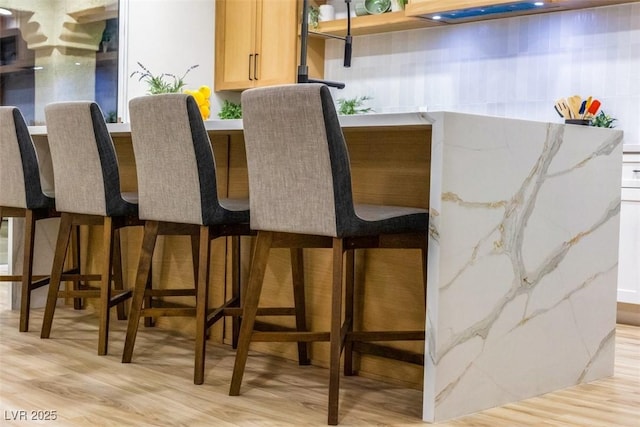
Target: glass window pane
[[59, 51]]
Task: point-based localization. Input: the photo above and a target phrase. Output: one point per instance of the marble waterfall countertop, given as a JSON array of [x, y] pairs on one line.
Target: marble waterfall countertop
[[523, 260], [523, 255]]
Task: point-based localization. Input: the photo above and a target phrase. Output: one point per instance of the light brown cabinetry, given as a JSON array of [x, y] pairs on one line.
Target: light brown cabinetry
[[256, 43]]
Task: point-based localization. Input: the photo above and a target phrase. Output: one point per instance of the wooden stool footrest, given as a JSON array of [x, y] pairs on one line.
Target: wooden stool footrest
[[39, 283], [168, 311], [389, 352], [80, 293], [263, 311], [18, 278], [219, 312], [289, 336], [385, 336], [39, 280], [161, 308], [72, 277], [119, 296], [169, 292]]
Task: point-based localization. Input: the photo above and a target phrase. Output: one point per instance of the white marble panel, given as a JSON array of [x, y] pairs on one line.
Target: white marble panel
[[523, 260]]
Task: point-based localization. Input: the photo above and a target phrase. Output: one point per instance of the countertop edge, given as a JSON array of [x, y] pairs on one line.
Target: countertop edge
[[416, 118]]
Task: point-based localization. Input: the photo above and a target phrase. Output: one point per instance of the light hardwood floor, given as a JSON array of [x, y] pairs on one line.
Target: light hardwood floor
[[64, 374]]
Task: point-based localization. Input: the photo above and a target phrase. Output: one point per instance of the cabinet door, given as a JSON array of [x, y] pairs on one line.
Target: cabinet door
[[276, 42], [629, 254], [235, 44]]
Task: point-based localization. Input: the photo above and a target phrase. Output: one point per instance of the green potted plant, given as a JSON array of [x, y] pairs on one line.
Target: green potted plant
[[111, 117], [314, 16], [230, 111], [162, 83], [353, 106], [603, 120]]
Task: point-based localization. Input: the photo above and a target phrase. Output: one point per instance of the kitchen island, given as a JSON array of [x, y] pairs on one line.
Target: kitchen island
[[523, 251]]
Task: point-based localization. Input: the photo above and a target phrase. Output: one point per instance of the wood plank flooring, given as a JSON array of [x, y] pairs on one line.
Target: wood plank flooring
[[64, 374]]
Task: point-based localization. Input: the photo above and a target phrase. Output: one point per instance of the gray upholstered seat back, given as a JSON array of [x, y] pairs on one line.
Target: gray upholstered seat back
[[12, 187], [19, 172], [299, 177], [85, 166], [174, 160]]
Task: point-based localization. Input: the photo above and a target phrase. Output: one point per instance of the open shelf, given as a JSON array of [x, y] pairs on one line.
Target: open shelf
[[374, 24], [417, 15]]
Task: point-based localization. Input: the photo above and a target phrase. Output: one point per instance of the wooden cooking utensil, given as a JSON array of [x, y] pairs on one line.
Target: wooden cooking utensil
[[574, 105], [558, 110], [586, 110], [562, 107]]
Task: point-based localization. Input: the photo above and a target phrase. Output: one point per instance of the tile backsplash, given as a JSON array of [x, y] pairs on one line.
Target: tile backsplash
[[514, 67]]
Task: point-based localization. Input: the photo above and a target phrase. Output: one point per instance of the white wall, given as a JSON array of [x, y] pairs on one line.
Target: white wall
[[514, 67], [167, 36]]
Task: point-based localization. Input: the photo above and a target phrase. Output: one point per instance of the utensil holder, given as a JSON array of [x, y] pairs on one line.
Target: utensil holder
[[582, 122]]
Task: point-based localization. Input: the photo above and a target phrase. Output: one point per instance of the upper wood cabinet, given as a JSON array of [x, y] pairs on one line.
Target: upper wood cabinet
[[256, 43]]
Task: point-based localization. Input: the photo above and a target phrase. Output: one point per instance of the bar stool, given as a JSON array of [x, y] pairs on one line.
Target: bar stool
[[178, 195], [301, 196], [21, 196], [86, 178]]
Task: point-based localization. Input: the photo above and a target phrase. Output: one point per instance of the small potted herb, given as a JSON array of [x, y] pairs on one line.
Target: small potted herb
[[314, 16], [353, 106], [230, 111], [603, 120]]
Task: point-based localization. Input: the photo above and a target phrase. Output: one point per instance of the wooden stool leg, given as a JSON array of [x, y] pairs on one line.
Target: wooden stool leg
[[149, 322], [195, 248], [142, 281], [348, 310], [195, 251], [202, 304], [27, 269], [105, 286], [78, 303], [335, 337], [62, 244], [118, 282], [235, 288], [297, 274], [250, 307]]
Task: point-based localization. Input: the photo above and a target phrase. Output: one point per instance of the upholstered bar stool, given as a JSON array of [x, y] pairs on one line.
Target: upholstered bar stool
[[178, 195], [21, 196], [301, 196], [86, 178]]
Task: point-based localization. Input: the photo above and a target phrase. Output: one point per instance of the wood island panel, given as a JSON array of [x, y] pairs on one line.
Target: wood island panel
[[389, 165]]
